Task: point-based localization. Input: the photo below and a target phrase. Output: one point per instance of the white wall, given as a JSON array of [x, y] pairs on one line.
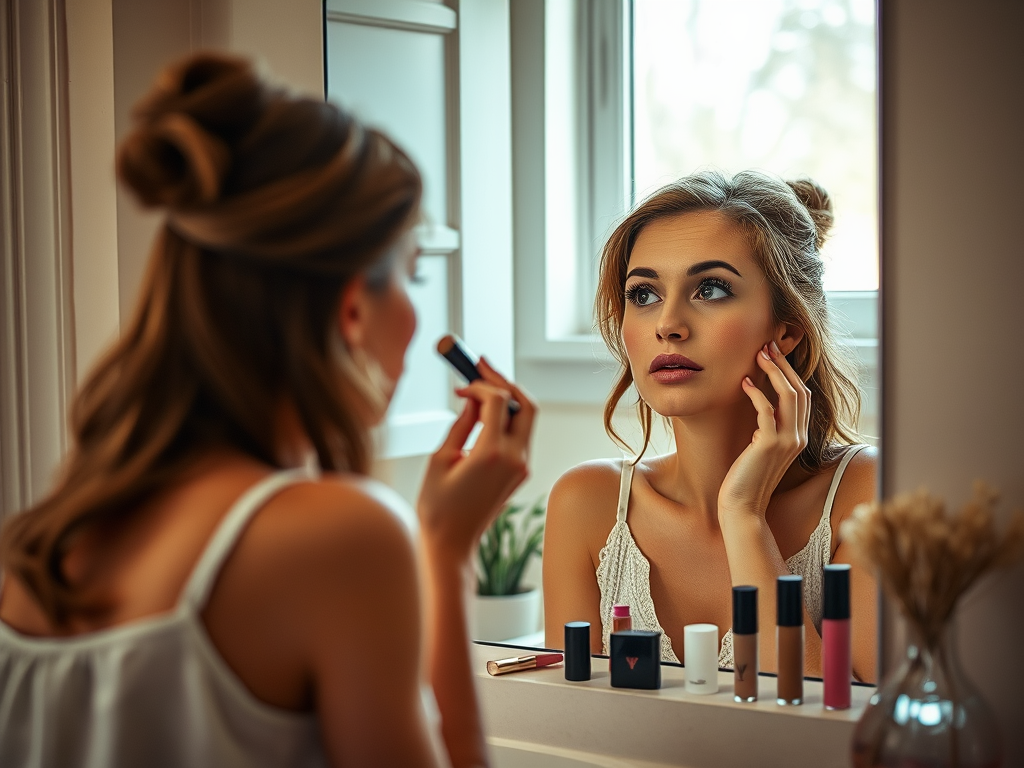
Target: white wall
[[115, 49], [952, 275]]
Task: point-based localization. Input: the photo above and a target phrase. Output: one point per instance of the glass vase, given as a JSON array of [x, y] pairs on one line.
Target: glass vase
[[927, 714]]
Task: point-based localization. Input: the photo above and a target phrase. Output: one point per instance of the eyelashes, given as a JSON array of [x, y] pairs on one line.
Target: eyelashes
[[708, 286], [640, 294]]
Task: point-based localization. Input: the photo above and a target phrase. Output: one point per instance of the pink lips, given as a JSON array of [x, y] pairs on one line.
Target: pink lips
[[673, 368]]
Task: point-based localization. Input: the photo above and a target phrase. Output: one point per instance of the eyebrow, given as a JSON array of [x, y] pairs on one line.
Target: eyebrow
[[700, 266]]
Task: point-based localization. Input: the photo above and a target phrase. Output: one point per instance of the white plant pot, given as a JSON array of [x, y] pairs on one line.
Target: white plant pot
[[504, 617]]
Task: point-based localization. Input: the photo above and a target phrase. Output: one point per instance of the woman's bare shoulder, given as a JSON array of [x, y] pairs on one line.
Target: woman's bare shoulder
[[339, 510], [593, 485], [859, 484]]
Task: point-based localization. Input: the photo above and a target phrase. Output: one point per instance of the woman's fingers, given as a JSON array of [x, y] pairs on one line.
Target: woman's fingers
[[794, 396], [803, 392], [460, 430], [522, 424], [765, 410], [787, 395], [493, 409]]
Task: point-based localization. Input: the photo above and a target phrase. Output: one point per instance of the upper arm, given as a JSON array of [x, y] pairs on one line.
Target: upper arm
[[362, 624], [575, 514], [859, 485]]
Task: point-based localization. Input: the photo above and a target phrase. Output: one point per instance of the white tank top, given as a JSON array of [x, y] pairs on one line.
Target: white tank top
[[624, 574], [153, 692]]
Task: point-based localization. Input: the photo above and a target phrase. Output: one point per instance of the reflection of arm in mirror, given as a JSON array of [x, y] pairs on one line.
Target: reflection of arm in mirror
[[711, 295]]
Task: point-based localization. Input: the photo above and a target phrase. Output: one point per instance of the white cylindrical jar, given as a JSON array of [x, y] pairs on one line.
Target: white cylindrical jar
[[700, 649]]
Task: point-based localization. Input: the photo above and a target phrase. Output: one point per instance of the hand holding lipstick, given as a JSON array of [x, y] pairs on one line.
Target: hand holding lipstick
[[463, 490]]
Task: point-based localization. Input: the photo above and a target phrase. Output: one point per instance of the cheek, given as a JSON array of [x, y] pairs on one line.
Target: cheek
[[632, 336], [741, 339]]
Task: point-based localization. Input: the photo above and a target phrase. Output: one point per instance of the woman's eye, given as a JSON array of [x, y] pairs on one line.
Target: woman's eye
[[712, 290], [641, 295]]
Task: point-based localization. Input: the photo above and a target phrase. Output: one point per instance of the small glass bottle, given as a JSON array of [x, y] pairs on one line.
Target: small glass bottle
[[744, 643], [621, 620], [789, 639]]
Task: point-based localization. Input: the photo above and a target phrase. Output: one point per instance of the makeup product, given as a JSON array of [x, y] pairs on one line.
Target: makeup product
[[744, 643], [577, 650], [836, 658], [636, 659], [453, 349], [700, 657], [621, 620], [519, 663], [789, 639]]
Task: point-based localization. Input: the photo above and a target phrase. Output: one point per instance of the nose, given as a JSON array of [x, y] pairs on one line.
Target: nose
[[671, 329], [671, 325]]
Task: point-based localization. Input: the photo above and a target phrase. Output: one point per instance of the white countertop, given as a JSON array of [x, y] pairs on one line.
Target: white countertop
[[667, 726]]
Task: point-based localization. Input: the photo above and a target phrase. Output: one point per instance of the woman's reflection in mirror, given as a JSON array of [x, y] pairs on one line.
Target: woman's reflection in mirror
[[711, 298]]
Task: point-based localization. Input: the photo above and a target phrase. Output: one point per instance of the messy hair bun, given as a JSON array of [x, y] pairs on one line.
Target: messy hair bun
[[818, 203], [272, 203]]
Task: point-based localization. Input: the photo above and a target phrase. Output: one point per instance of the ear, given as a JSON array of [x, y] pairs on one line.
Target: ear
[[354, 313], [788, 336]]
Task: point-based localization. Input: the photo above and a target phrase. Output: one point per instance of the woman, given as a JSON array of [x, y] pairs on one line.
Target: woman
[[190, 594], [711, 298]]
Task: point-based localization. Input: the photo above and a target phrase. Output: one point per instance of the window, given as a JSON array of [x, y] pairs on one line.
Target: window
[[787, 86], [627, 96]]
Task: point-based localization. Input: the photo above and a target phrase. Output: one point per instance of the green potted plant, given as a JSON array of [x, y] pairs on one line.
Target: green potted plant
[[505, 608]]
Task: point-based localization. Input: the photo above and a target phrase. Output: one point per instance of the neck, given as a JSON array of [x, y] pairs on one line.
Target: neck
[[707, 445]]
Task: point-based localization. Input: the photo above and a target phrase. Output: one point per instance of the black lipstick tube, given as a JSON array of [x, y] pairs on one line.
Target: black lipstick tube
[[452, 349]]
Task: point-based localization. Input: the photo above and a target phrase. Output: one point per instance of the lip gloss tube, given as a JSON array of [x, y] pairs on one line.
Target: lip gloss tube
[[789, 639], [836, 652], [744, 643]]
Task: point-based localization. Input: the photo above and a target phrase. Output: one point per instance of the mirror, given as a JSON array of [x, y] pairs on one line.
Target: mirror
[[611, 100]]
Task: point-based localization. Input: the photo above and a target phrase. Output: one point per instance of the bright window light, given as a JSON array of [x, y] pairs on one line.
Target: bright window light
[[783, 86]]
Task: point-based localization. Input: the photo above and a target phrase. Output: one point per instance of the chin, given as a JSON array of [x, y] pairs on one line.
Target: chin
[[683, 405]]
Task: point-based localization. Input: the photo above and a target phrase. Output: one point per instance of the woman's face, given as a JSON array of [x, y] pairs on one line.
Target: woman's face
[[698, 310], [378, 322]]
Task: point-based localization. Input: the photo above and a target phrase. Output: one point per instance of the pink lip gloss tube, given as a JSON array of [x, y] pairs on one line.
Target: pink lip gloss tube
[[836, 660]]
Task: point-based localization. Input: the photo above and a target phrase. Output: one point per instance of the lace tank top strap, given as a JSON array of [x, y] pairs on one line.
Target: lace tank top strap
[[222, 542], [826, 513], [625, 482]]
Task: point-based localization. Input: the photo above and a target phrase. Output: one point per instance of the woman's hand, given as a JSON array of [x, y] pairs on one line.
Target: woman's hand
[[780, 436], [463, 491]]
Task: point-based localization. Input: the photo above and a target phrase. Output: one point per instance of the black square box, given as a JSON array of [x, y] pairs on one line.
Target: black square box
[[636, 659]]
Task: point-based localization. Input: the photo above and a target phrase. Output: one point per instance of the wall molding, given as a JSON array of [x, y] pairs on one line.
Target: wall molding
[[411, 15], [37, 344]]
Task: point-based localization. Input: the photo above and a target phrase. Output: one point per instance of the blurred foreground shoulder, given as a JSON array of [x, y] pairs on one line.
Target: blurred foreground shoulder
[[338, 528]]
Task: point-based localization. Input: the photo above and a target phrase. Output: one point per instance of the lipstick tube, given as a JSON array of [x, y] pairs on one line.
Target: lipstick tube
[[744, 643], [836, 652], [519, 663], [452, 349], [789, 639]]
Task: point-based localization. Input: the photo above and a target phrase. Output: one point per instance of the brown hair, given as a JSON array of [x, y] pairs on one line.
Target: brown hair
[[274, 202], [786, 223]]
